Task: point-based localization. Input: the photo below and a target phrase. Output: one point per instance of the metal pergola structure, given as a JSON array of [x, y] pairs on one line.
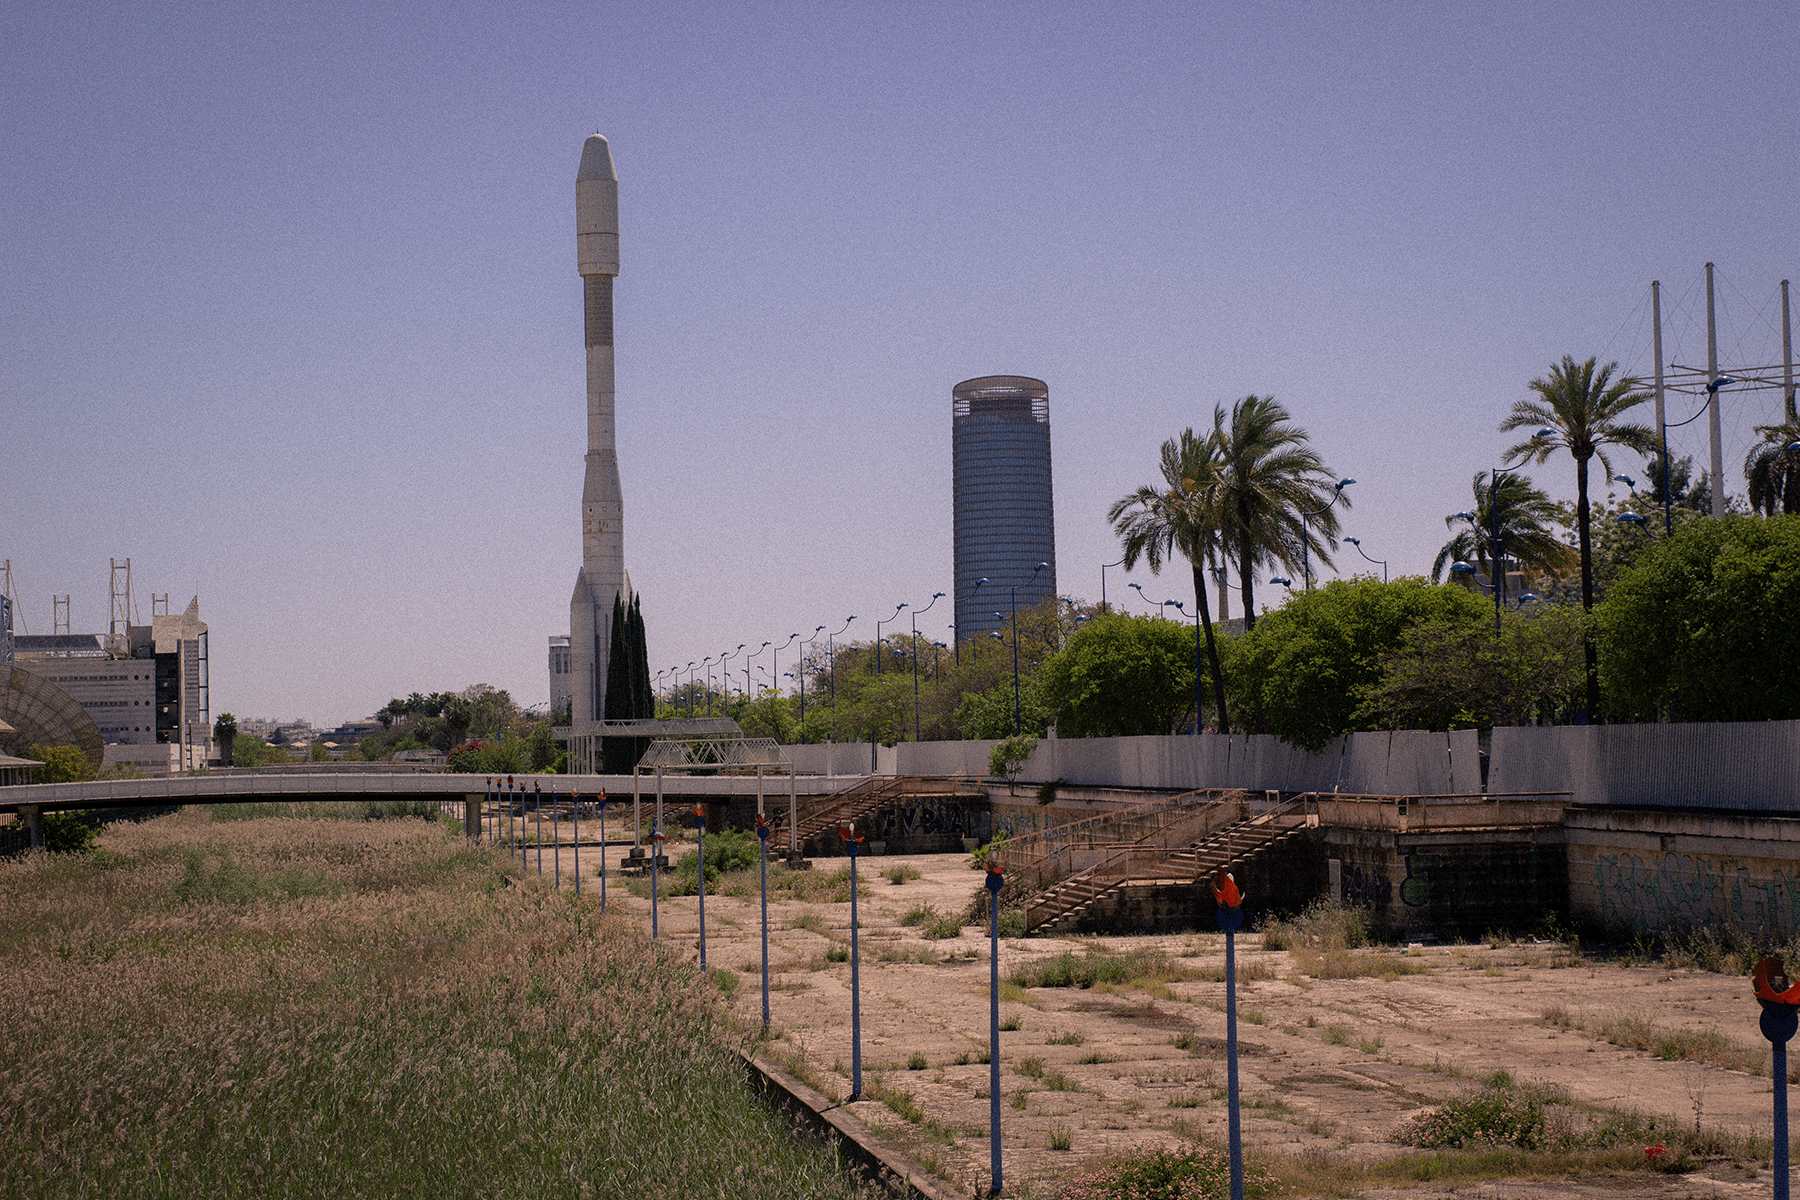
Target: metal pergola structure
[[710, 743]]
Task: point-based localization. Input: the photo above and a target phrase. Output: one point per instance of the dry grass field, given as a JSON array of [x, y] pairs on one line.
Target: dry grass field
[[346, 1008]]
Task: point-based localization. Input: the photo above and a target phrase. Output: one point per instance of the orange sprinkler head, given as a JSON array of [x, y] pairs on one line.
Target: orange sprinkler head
[[1772, 984], [1225, 889], [848, 833]]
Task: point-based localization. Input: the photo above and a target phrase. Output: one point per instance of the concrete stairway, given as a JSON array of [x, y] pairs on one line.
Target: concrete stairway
[[861, 800], [1060, 907]]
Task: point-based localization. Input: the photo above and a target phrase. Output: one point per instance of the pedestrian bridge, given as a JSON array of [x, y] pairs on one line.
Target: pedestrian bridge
[[249, 787]]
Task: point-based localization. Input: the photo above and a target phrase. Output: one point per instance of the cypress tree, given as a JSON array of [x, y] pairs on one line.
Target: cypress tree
[[615, 753], [628, 692]]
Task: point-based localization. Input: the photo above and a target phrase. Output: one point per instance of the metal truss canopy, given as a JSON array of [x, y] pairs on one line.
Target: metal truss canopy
[[707, 753], [684, 743]]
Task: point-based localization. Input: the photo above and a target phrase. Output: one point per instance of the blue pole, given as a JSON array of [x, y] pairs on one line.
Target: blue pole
[[575, 816], [1231, 917], [700, 830], [994, 882], [656, 842], [556, 836], [853, 843], [1780, 1002], [602, 853], [762, 836], [538, 809]]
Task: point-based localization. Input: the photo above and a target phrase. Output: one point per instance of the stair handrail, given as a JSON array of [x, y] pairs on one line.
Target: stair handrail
[[1021, 851]]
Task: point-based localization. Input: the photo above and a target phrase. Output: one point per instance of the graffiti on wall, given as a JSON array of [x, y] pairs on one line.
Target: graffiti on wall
[[1018, 822], [1365, 889], [1430, 877], [1684, 890], [928, 818]]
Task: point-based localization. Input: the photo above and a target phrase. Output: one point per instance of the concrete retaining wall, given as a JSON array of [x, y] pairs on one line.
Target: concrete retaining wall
[[1648, 871], [1752, 767], [1450, 884]]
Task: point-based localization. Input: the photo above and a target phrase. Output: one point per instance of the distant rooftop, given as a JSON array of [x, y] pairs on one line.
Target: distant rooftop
[[57, 643]]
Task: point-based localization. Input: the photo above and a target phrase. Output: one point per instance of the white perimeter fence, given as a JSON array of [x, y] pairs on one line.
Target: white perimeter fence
[[1751, 766]]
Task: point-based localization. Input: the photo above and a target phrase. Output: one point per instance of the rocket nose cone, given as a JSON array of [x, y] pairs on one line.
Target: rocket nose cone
[[596, 161]]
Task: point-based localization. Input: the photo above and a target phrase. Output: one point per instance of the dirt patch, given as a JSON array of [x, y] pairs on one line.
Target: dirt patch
[[1328, 1067]]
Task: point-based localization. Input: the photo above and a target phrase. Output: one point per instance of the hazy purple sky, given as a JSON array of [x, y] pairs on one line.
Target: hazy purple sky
[[291, 315]]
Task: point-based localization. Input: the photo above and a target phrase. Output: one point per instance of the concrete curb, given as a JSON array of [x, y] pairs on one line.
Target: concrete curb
[[827, 1119]]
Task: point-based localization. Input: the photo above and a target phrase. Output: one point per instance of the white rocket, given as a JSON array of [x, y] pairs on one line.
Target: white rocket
[[602, 577]]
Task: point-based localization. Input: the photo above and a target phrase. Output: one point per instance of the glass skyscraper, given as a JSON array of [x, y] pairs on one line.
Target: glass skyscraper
[[1004, 521]]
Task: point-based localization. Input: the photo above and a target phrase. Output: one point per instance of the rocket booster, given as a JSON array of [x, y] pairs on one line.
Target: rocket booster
[[602, 575]]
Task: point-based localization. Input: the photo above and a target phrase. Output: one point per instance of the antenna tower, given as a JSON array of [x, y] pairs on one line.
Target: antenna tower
[[10, 591], [59, 614], [119, 624]]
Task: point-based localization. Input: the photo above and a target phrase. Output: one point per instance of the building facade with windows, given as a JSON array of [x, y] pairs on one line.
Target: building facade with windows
[[1004, 520]]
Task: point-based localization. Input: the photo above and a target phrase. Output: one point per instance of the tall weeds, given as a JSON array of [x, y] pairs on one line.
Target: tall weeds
[[295, 1008]]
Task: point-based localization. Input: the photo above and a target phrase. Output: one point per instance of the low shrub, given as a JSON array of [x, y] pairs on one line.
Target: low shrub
[[1094, 967], [1200, 1173]]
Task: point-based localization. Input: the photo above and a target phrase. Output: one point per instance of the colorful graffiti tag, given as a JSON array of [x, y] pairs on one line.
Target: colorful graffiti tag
[[1687, 891]]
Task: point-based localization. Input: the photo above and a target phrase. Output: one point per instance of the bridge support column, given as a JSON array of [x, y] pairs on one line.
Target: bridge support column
[[33, 816], [472, 816]]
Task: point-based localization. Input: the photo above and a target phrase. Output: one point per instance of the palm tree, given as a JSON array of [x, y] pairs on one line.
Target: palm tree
[[1270, 477], [1182, 515], [1525, 515], [1583, 410], [1772, 469]]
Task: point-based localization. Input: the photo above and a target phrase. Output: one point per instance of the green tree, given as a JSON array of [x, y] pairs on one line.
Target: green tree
[[1526, 520], [1120, 676], [1009, 756], [1269, 477], [1308, 663], [989, 714], [1616, 541], [1584, 409], [1450, 672], [62, 764], [1182, 515], [628, 688], [225, 734], [1703, 628], [1688, 495], [67, 833]]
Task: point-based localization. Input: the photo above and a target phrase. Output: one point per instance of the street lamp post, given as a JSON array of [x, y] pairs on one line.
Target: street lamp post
[[1104, 567], [1198, 673], [747, 658], [1337, 493], [831, 658], [707, 663], [935, 597], [725, 675], [1381, 562], [775, 660], [690, 671], [801, 671], [890, 620]]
